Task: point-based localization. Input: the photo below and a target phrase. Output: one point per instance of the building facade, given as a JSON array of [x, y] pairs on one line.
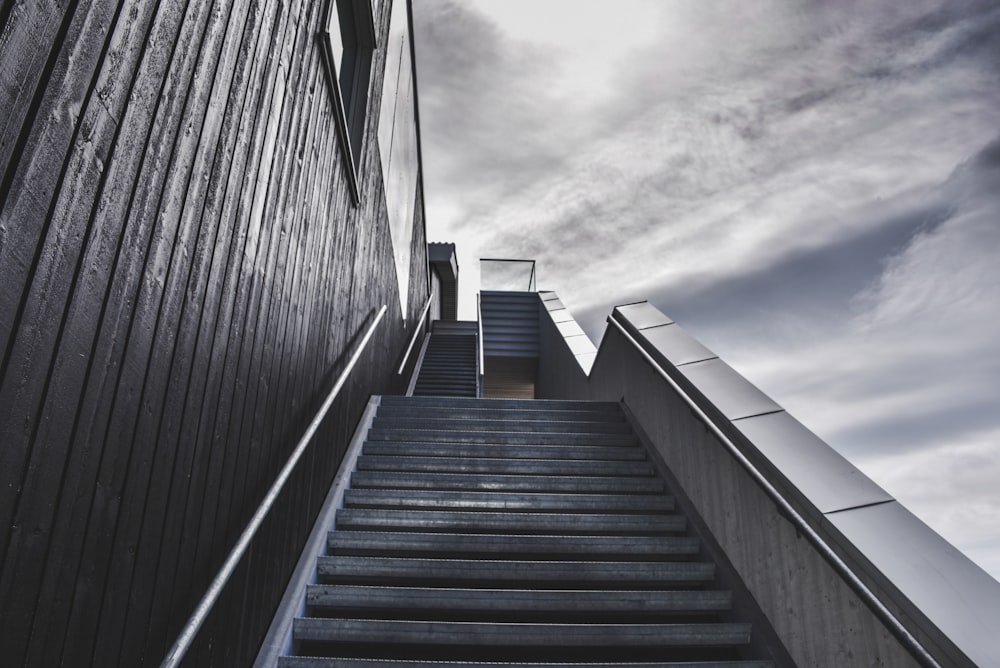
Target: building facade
[[202, 207]]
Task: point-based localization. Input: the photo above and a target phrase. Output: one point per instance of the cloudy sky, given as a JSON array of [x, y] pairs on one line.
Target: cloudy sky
[[810, 188]]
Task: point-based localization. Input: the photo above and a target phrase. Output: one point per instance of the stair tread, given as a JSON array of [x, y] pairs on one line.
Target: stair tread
[[499, 413], [432, 423], [477, 481], [520, 501], [551, 546], [334, 662], [489, 465], [615, 574], [511, 437], [342, 596], [523, 633], [532, 404], [500, 522], [504, 451]]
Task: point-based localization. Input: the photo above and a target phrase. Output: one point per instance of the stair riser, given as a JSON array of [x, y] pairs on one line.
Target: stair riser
[[397, 412], [429, 423], [588, 574], [592, 452], [505, 404], [508, 522], [319, 662], [579, 503], [601, 548], [532, 483], [429, 436], [524, 635], [501, 466], [360, 597]]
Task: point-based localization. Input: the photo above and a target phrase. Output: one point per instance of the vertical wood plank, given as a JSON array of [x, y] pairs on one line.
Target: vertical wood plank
[[193, 275]]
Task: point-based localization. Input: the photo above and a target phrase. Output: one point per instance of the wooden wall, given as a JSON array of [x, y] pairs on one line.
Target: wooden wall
[[182, 275]]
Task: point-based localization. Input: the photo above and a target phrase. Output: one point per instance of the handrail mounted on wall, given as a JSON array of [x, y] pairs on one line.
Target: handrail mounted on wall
[[187, 635], [416, 331], [862, 590]]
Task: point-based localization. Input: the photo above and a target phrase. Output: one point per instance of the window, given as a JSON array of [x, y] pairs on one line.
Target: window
[[348, 44], [397, 144]]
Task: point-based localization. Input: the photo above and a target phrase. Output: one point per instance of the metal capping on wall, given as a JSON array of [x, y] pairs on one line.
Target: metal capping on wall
[[577, 341], [959, 606]]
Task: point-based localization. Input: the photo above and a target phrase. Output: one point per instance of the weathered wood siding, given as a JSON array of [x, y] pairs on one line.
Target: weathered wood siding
[[182, 276]]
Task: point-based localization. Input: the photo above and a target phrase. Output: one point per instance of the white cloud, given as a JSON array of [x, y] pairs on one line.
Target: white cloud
[[788, 176], [953, 488]]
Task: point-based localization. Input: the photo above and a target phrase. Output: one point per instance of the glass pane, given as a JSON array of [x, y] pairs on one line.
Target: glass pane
[[507, 275], [336, 40]]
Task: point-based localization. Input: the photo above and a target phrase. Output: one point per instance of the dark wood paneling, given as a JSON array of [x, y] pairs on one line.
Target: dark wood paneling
[[184, 276]]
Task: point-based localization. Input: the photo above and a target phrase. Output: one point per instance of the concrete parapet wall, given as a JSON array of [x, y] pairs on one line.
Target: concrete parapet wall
[[944, 600], [560, 372], [818, 618]]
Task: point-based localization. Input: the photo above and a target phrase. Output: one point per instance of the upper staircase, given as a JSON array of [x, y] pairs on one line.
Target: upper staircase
[[532, 533], [448, 368]]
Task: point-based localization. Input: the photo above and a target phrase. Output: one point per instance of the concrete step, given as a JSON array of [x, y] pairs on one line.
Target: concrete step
[[448, 379], [528, 404], [527, 483], [444, 392], [512, 501], [457, 360], [502, 451], [515, 327], [433, 423], [458, 327], [491, 466], [520, 634], [469, 546], [528, 438], [484, 522], [525, 574], [471, 413], [494, 348], [332, 662], [348, 600]]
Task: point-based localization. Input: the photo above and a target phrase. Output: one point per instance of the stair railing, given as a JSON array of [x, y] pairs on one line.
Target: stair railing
[[481, 358], [187, 635], [907, 639], [416, 330]]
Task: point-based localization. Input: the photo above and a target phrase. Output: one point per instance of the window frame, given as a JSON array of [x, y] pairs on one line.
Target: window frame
[[351, 114]]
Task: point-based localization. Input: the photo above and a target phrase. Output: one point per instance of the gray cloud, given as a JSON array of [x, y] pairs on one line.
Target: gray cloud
[[810, 188], [480, 95]]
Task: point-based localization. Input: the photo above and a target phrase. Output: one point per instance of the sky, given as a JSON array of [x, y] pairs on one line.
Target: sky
[[811, 189]]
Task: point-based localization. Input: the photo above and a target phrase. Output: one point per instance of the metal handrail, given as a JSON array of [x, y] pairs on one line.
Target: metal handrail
[[186, 637], [531, 276], [416, 330], [885, 615], [482, 355]]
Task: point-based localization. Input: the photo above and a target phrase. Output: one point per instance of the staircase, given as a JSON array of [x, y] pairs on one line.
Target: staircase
[[449, 364], [510, 323], [532, 533]]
